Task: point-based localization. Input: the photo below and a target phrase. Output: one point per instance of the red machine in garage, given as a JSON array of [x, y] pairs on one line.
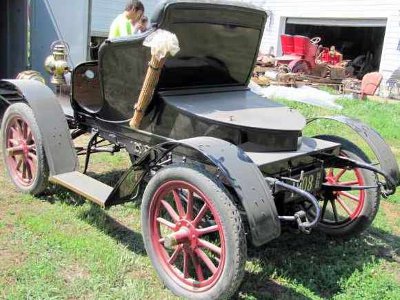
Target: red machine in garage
[[302, 54]]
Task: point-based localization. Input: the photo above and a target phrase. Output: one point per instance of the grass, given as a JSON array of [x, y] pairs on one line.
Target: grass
[[60, 247]]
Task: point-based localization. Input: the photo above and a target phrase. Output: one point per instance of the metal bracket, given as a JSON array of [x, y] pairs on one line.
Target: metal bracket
[[300, 217], [380, 148], [387, 188]]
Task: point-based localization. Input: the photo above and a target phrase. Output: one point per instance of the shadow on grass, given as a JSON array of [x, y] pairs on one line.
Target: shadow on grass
[[97, 216], [315, 262]]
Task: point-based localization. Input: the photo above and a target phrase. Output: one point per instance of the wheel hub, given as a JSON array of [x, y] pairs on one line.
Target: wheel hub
[[185, 234]]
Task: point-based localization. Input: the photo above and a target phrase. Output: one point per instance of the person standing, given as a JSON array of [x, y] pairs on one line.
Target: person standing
[[128, 23]]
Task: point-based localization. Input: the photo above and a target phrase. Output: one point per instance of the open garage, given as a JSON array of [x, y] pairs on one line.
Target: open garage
[[356, 28], [359, 40]]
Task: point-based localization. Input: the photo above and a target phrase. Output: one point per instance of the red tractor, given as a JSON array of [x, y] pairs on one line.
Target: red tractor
[[302, 54]]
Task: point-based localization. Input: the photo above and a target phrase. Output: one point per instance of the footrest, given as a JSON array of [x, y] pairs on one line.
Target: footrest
[[83, 185]]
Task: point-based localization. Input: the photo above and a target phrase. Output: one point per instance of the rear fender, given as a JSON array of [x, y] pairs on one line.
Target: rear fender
[[57, 143], [379, 147], [235, 169]]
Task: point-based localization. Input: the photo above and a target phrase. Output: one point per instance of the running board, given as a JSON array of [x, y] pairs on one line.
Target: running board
[[84, 185]]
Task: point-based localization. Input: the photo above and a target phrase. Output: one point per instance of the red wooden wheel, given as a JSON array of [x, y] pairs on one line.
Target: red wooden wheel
[[347, 213], [21, 151], [193, 233], [346, 206], [187, 234]]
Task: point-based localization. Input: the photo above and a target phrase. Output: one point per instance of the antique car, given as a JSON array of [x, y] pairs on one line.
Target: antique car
[[221, 168]]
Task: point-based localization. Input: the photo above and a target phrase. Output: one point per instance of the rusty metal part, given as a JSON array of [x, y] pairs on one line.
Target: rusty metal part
[[337, 72]]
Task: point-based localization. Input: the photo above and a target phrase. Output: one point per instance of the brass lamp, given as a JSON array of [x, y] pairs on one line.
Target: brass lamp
[[56, 63]]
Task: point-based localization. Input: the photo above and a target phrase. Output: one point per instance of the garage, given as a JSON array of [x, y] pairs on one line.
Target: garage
[[355, 26], [359, 40]]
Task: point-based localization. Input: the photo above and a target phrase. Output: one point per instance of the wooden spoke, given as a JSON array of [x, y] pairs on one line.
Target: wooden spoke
[[19, 164], [348, 195], [175, 255], [15, 132], [207, 230], [14, 142], [200, 215], [17, 150], [29, 170], [210, 246], [189, 214], [210, 265], [19, 130], [197, 267], [166, 223], [178, 203], [340, 174], [344, 206], [25, 130], [24, 170], [29, 136], [170, 211]]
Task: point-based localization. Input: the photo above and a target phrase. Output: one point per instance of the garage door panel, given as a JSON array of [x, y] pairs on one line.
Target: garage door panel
[[338, 22]]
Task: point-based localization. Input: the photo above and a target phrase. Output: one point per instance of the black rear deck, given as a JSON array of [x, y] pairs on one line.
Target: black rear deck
[[238, 116], [243, 109]]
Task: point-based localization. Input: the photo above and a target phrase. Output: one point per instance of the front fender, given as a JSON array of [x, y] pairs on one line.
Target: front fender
[[379, 147], [60, 153]]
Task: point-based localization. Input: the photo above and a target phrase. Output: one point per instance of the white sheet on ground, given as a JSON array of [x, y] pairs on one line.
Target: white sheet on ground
[[303, 94]]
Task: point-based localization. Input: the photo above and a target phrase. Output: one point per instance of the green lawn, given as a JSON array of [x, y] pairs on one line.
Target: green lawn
[[60, 247]]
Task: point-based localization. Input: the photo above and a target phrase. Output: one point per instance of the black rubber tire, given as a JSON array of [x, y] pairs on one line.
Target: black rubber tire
[[40, 182], [372, 196], [233, 269]]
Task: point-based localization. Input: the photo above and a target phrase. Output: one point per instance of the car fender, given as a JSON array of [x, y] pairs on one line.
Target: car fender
[[57, 143], [235, 169], [379, 147]]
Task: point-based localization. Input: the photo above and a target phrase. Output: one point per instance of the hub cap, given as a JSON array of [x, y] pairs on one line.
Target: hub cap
[[187, 235]]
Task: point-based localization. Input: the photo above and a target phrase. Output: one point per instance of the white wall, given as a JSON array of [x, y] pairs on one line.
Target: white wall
[[363, 9], [104, 12]]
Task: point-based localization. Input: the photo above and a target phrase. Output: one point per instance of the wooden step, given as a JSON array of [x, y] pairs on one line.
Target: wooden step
[[83, 185]]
